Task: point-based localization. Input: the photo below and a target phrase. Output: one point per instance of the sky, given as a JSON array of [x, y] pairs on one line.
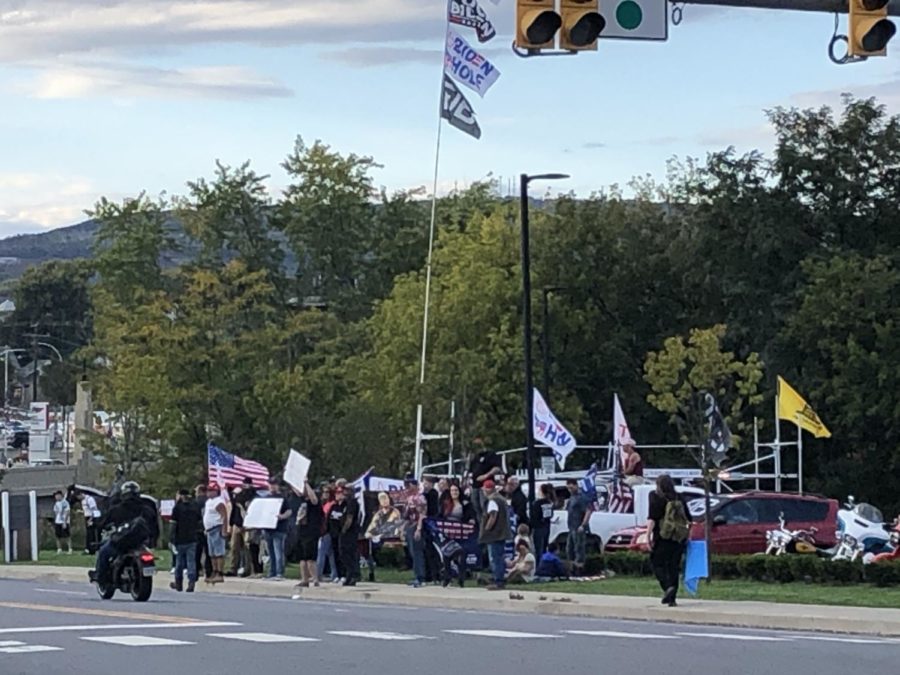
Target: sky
[[114, 97]]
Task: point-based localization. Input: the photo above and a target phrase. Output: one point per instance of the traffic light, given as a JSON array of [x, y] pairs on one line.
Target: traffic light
[[869, 29], [536, 24], [581, 24]]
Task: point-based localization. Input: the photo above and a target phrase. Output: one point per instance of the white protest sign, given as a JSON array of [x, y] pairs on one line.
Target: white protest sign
[[296, 470], [262, 514], [166, 506]]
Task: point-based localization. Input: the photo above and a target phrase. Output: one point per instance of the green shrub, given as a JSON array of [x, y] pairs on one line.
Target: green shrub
[[778, 568], [842, 571], [883, 573], [753, 567], [807, 568]]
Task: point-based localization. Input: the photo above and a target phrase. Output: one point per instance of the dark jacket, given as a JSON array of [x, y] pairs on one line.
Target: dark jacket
[[519, 503], [187, 522], [126, 508]]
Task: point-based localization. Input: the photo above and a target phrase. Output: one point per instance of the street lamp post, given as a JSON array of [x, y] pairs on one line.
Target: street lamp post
[[545, 339], [526, 326]]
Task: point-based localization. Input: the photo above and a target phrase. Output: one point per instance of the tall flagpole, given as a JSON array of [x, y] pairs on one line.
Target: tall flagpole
[[437, 160]]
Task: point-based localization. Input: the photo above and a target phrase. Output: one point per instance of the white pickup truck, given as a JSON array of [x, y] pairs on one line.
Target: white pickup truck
[[603, 523]]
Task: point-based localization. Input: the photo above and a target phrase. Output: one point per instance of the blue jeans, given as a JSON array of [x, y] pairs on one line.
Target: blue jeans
[[275, 543], [326, 552], [185, 559], [497, 554], [417, 553], [104, 556]]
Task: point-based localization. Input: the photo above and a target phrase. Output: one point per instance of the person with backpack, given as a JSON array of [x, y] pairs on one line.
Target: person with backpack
[[668, 529]]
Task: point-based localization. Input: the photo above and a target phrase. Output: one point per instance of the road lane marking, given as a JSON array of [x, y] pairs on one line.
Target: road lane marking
[[378, 635], [732, 636], [617, 634], [29, 649], [262, 637], [113, 626], [11, 643], [85, 611], [138, 641], [501, 634], [53, 590], [856, 641]]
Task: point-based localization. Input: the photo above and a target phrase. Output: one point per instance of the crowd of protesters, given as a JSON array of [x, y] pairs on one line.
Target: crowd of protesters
[[444, 526]]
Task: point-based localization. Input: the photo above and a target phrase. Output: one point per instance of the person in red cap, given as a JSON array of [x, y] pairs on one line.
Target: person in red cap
[[215, 523], [494, 532]]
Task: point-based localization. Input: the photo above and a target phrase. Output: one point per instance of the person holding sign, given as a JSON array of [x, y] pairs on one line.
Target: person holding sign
[[275, 538], [309, 526]]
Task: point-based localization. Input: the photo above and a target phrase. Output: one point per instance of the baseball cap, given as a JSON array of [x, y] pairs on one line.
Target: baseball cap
[[488, 484]]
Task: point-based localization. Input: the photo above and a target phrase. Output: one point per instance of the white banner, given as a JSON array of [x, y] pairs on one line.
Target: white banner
[[467, 66], [296, 470], [548, 431]]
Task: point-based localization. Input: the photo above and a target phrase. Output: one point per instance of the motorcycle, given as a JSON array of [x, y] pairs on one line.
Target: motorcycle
[[860, 530], [888, 556], [783, 540], [130, 572]]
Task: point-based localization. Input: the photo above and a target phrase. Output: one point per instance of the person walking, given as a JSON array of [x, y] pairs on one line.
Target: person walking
[[62, 514], [668, 528], [494, 532], [186, 526]]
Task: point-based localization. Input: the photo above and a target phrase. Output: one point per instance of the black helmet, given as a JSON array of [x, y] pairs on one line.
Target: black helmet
[[131, 488]]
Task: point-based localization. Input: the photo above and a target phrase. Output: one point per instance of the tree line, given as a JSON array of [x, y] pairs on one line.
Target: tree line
[[294, 320]]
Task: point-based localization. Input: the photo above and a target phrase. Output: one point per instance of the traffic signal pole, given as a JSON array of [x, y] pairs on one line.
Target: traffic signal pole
[[828, 6]]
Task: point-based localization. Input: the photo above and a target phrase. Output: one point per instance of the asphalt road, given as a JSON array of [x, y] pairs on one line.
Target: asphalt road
[[61, 629]]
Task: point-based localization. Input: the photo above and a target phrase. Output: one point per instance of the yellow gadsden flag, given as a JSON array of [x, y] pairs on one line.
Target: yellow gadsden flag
[[793, 408]]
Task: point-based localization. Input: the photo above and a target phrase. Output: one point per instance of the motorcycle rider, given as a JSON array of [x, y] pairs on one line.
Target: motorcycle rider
[[125, 507]]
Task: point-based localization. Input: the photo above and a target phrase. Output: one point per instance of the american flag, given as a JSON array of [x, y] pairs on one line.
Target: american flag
[[230, 470], [621, 499]]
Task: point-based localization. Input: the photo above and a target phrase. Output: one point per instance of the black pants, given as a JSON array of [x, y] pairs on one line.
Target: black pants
[[349, 555], [432, 559], [541, 537], [91, 537], [255, 565], [203, 554], [460, 559], [666, 562]]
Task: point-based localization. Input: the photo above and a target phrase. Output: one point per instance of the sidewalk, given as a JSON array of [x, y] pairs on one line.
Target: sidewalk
[[760, 615]]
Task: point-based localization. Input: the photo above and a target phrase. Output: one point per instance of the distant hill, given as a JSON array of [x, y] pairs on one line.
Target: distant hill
[[22, 251]]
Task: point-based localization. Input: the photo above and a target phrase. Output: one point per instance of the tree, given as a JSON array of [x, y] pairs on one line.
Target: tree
[[684, 369], [54, 299], [327, 217], [840, 346]]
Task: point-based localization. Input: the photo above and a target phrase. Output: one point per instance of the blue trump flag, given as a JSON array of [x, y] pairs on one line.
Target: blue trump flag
[[696, 566], [588, 486]]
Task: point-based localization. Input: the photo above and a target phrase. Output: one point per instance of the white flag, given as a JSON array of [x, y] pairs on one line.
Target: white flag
[[548, 431], [467, 66], [621, 432], [469, 13]]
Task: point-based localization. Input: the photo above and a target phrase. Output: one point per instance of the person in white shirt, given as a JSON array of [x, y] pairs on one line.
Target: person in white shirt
[[61, 516], [215, 523], [91, 520], [524, 566]]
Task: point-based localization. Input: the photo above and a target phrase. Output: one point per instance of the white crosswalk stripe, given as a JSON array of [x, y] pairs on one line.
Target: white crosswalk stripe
[[617, 634], [29, 649], [138, 641], [378, 635], [10, 643], [732, 636], [510, 634], [262, 637]]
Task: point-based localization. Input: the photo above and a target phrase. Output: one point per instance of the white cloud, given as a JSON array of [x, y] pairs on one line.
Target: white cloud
[[78, 80], [34, 201], [37, 29], [887, 93]]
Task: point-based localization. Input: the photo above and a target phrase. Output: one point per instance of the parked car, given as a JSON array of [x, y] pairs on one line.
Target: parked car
[[740, 522]]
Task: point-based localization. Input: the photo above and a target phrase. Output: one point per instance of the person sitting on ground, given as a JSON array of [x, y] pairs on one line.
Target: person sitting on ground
[[523, 567], [523, 534], [550, 566]]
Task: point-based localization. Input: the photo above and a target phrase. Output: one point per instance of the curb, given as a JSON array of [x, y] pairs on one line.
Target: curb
[[752, 615]]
